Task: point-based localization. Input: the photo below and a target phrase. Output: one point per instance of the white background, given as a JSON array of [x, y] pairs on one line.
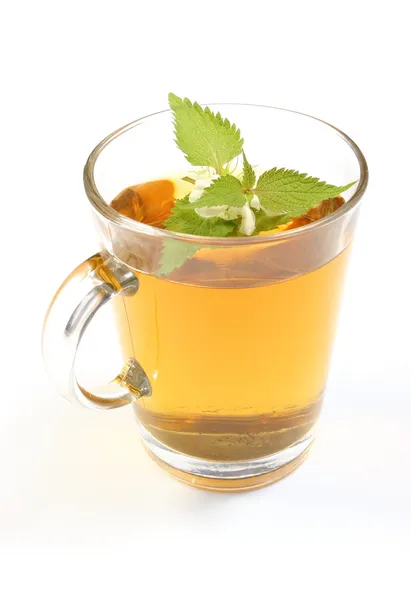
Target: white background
[[83, 511]]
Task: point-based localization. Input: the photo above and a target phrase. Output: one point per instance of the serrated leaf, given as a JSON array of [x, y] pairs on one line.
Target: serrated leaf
[[265, 222], [227, 190], [205, 138], [248, 173], [293, 192], [174, 254], [183, 219]]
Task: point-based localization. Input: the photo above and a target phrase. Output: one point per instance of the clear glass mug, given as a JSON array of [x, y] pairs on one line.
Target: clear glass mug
[[226, 357]]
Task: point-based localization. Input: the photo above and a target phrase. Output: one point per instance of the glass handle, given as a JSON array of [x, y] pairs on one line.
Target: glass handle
[[89, 287]]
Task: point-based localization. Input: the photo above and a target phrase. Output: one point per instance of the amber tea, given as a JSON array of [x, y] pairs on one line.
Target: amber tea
[[237, 373]]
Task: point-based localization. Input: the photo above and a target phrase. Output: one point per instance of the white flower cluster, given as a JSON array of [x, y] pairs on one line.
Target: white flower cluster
[[203, 179]]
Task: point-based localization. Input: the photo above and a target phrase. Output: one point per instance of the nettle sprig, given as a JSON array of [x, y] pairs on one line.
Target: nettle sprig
[[228, 200]]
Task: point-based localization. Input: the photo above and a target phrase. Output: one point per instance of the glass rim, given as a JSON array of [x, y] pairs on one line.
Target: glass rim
[[109, 213]]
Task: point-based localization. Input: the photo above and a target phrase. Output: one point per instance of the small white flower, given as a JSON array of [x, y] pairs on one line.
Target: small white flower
[[248, 220], [212, 211], [231, 213], [204, 178], [195, 195], [206, 173], [255, 202], [201, 184]]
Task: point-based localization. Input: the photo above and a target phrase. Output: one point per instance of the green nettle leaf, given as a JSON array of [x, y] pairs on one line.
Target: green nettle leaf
[[184, 220], [174, 255], [293, 192], [264, 222], [227, 190], [205, 138], [248, 173]]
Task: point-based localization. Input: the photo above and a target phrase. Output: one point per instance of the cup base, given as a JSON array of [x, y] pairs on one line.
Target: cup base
[[228, 476]]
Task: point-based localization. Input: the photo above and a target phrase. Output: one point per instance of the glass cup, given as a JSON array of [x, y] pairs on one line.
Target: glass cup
[[225, 357]]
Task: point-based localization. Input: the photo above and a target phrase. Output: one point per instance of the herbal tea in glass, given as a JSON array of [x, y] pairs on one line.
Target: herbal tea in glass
[[225, 266], [238, 372]]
